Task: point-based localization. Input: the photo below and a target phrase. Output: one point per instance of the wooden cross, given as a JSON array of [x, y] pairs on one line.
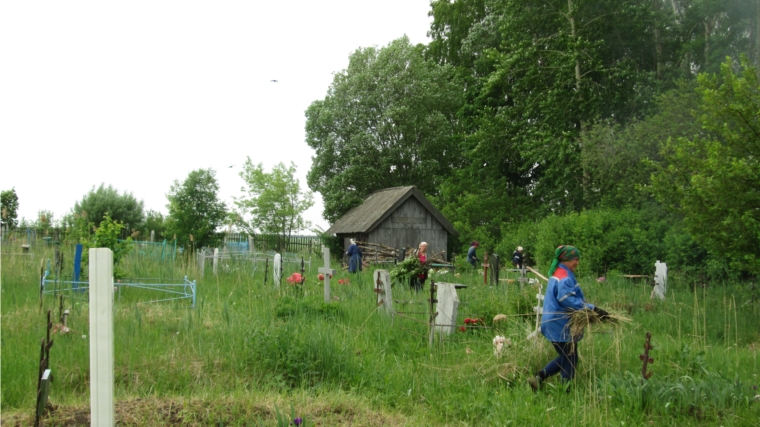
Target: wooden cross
[[646, 359], [485, 266], [327, 271]]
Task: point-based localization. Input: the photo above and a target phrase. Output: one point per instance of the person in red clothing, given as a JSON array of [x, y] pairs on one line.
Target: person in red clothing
[[422, 256]]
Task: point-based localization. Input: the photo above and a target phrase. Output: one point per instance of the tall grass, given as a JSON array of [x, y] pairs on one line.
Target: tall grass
[[245, 338]]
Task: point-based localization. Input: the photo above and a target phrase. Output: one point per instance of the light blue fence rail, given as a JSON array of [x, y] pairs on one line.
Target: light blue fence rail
[[51, 285]]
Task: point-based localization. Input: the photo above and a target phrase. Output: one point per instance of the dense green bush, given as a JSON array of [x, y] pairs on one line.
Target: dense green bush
[[627, 240]]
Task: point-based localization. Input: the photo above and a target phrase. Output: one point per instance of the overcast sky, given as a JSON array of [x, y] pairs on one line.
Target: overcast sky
[[137, 94]]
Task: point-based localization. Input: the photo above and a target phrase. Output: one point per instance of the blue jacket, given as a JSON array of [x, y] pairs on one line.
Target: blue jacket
[[562, 295]]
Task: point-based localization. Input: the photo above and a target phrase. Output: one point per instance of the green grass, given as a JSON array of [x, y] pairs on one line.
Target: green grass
[[247, 347]]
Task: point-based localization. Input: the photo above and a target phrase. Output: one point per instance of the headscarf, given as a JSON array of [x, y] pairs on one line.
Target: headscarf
[[562, 254]]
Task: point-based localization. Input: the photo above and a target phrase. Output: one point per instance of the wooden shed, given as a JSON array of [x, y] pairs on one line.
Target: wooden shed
[[395, 217]]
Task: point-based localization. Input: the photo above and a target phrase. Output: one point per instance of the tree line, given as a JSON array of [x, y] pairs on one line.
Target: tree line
[[544, 115], [272, 203]]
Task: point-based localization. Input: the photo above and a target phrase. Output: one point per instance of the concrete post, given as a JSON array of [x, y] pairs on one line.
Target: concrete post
[[101, 337]]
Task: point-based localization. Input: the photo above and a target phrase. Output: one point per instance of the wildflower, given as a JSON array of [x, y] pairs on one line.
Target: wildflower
[[499, 318], [462, 329], [84, 337], [321, 276], [297, 421], [295, 279]]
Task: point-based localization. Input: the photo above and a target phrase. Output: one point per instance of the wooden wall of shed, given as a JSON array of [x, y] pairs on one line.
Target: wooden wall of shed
[[409, 225]]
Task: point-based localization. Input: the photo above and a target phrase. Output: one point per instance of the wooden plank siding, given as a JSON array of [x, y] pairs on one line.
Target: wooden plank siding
[[409, 225]]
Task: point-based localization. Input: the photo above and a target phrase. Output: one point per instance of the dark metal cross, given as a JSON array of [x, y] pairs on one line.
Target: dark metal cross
[[645, 358]]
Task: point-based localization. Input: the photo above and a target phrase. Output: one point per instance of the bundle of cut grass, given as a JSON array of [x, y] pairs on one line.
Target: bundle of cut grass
[[581, 319]]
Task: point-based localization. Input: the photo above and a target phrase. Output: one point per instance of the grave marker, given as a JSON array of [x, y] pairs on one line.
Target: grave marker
[[485, 266], [660, 280], [327, 271], [383, 290], [446, 308], [277, 270], [539, 309], [216, 259], [101, 337]]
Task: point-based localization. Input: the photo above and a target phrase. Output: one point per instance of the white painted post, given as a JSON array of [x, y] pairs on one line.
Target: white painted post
[[152, 235], [277, 270], [250, 244], [539, 309], [660, 281], [327, 271], [216, 258], [447, 308], [101, 337], [383, 289]]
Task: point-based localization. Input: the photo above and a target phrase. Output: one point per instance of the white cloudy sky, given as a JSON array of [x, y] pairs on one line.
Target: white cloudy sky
[[137, 94]]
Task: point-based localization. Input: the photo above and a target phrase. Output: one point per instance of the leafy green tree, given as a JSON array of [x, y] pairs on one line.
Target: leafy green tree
[[619, 160], [154, 221], [388, 120], [195, 211], [274, 201], [9, 208], [122, 207], [713, 179]]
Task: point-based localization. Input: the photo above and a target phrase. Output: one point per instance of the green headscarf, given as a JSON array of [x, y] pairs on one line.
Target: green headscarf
[[562, 254]]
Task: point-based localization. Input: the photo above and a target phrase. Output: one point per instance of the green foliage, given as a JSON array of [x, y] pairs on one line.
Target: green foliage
[[154, 221], [626, 240], [407, 269], [295, 359], [288, 307], [275, 201], [712, 179], [108, 235], [122, 207], [195, 211], [388, 120], [9, 208]]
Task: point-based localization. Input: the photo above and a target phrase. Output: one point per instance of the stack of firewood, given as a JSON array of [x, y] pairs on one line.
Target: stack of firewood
[[375, 252], [430, 259]]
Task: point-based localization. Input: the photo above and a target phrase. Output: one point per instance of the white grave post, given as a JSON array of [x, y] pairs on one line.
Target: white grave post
[[101, 337], [250, 244], [383, 289], [539, 309], [277, 270], [216, 258], [660, 280], [447, 308], [327, 271]]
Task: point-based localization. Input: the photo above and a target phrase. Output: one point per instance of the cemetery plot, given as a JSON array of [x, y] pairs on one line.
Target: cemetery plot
[[144, 290]]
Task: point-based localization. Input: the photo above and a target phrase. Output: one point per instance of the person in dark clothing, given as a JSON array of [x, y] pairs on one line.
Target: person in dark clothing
[[517, 258], [472, 257], [354, 257], [562, 296]]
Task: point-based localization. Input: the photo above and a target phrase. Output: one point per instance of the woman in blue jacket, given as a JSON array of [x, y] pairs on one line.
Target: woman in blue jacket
[[563, 295]]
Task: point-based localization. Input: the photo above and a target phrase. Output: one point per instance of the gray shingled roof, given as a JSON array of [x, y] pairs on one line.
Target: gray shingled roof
[[378, 206]]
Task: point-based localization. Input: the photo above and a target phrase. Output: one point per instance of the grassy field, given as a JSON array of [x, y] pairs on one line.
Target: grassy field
[[251, 353]]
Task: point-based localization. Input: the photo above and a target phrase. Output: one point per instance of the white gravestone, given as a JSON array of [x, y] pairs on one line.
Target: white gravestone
[[660, 280], [101, 337], [447, 308], [277, 270], [383, 289], [216, 259], [327, 271]]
